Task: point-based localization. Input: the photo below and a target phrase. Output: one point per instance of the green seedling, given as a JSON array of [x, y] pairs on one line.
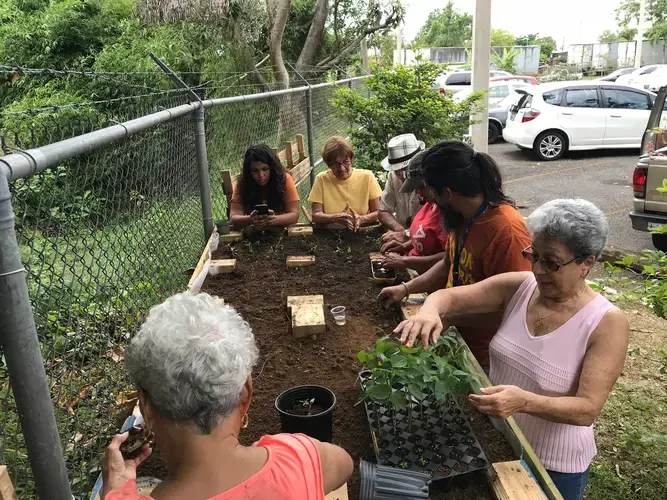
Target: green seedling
[[306, 403]]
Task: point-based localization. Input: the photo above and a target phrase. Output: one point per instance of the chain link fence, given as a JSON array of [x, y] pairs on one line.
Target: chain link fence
[[108, 233]]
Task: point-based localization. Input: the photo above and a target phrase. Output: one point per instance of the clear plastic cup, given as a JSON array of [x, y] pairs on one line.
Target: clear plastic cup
[[339, 315]]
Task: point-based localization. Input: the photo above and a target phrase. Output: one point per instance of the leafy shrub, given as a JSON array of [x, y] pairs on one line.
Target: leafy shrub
[[560, 75], [401, 101], [506, 62]]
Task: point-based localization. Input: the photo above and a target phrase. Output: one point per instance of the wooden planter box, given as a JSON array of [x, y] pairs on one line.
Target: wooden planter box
[[508, 428]]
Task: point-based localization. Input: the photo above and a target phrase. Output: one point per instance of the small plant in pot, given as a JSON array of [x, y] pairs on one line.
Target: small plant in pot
[[307, 409]]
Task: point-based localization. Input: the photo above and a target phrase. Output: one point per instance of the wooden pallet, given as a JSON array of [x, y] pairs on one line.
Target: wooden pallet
[[511, 481]]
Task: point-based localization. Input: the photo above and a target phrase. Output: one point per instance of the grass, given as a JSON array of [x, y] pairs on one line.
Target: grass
[[632, 460]]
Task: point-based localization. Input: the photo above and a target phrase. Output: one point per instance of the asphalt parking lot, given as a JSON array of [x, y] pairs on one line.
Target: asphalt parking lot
[[603, 177]]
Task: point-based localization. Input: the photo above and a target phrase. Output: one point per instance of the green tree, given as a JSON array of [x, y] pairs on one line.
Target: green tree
[[608, 36], [547, 46], [383, 46], [627, 17], [526, 39], [401, 101], [446, 27], [501, 38]]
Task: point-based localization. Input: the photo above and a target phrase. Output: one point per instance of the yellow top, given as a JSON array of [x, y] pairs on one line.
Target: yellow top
[[334, 194]]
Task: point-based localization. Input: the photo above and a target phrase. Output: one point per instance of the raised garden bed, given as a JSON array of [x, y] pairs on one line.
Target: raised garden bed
[[258, 288]]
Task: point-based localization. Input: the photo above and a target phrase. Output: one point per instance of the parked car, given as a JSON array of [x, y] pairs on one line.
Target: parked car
[[612, 77], [460, 80], [557, 117], [639, 77], [649, 205], [656, 80], [498, 90]]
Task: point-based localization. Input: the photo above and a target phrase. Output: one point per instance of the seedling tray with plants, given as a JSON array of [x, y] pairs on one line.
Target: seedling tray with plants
[[414, 418]]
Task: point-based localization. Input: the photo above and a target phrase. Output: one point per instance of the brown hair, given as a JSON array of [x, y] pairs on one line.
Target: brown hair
[[335, 146]]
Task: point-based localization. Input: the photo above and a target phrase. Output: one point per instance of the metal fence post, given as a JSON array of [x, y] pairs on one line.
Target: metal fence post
[[311, 135], [204, 176], [200, 146], [25, 365]]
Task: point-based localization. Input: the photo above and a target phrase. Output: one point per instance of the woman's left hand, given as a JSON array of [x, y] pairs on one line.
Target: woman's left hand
[[267, 220], [116, 471], [393, 261], [500, 401]]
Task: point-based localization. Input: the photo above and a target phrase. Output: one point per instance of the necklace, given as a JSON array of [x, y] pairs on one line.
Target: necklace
[[539, 322]]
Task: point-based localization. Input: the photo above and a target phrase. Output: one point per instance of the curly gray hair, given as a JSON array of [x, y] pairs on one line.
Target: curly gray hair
[[192, 357], [579, 224]]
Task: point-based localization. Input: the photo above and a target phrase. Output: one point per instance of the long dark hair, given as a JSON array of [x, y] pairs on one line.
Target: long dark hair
[[457, 166], [251, 192]]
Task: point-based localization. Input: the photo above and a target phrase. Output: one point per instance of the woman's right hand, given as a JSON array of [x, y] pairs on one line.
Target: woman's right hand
[[346, 218], [116, 471], [426, 324], [392, 295]]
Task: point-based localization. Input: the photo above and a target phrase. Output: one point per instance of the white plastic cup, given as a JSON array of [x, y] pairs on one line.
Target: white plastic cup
[[339, 315]]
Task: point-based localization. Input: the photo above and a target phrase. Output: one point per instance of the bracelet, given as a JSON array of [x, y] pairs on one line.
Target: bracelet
[[407, 292]]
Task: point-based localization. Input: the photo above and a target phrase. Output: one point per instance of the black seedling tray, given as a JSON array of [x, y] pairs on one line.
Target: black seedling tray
[[441, 446]]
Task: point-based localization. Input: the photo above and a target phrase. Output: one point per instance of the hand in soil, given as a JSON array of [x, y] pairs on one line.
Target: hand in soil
[[393, 261], [116, 471], [391, 295], [391, 246]]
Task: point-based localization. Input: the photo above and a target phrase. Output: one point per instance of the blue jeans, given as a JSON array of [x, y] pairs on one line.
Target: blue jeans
[[571, 486]]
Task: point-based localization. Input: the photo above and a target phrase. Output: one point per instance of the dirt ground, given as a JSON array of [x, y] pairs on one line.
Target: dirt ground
[[259, 288]]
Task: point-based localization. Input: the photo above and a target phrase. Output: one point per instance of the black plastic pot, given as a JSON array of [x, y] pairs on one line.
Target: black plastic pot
[[379, 482], [320, 425]]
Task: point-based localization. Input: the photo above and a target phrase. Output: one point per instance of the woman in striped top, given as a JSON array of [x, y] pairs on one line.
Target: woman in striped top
[[561, 346]]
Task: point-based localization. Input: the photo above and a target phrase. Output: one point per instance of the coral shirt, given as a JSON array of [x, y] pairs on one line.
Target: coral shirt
[[425, 231], [292, 471], [291, 194]]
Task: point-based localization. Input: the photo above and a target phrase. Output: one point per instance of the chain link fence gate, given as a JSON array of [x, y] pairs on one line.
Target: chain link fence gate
[[107, 225]]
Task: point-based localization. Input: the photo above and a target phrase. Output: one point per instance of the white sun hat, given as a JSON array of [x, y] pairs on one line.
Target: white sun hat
[[401, 148]]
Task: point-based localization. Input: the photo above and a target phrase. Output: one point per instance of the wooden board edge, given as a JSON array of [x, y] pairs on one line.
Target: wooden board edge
[[527, 452], [202, 259], [300, 171]]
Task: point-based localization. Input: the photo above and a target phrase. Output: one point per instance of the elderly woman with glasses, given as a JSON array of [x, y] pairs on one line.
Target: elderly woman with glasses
[[344, 195], [191, 362], [560, 347]]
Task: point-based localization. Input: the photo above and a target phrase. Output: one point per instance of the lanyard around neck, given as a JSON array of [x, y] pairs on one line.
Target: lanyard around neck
[[458, 250]]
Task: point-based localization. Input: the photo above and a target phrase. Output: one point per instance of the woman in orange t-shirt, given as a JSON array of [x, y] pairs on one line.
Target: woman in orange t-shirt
[[191, 362], [264, 181]]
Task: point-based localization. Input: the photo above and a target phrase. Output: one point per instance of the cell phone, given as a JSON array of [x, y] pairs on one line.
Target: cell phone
[[262, 209]]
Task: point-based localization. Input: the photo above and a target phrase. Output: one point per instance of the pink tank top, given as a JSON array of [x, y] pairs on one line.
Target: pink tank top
[[549, 365], [292, 471]]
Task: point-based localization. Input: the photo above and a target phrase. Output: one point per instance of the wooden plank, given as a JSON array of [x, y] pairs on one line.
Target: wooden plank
[[339, 494], [299, 231], [280, 154], [308, 319], [222, 266], [202, 260], [227, 183], [301, 146], [300, 260], [301, 171], [511, 481], [289, 155], [375, 256], [306, 214], [300, 300], [511, 430], [232, 236], [6, 487]]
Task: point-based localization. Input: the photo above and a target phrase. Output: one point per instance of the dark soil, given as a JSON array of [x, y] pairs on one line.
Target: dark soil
[[300, 409], [259, 288]]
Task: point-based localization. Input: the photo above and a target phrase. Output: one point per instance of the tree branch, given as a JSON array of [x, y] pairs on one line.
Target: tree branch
[[278, 12], [331, 60], [315, 33]]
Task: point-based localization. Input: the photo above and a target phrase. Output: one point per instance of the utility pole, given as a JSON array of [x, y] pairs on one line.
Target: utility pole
[[640, 34], [481, 55], [399, 47]]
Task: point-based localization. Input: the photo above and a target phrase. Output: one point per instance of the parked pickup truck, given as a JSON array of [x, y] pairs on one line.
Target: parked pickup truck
[[650, 205]]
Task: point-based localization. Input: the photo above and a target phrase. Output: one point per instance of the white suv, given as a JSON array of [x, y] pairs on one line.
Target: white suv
[[553, 118]]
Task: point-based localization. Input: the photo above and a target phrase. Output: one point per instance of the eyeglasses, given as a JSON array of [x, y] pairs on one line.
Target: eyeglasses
[[344, 164], [549, 265]]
